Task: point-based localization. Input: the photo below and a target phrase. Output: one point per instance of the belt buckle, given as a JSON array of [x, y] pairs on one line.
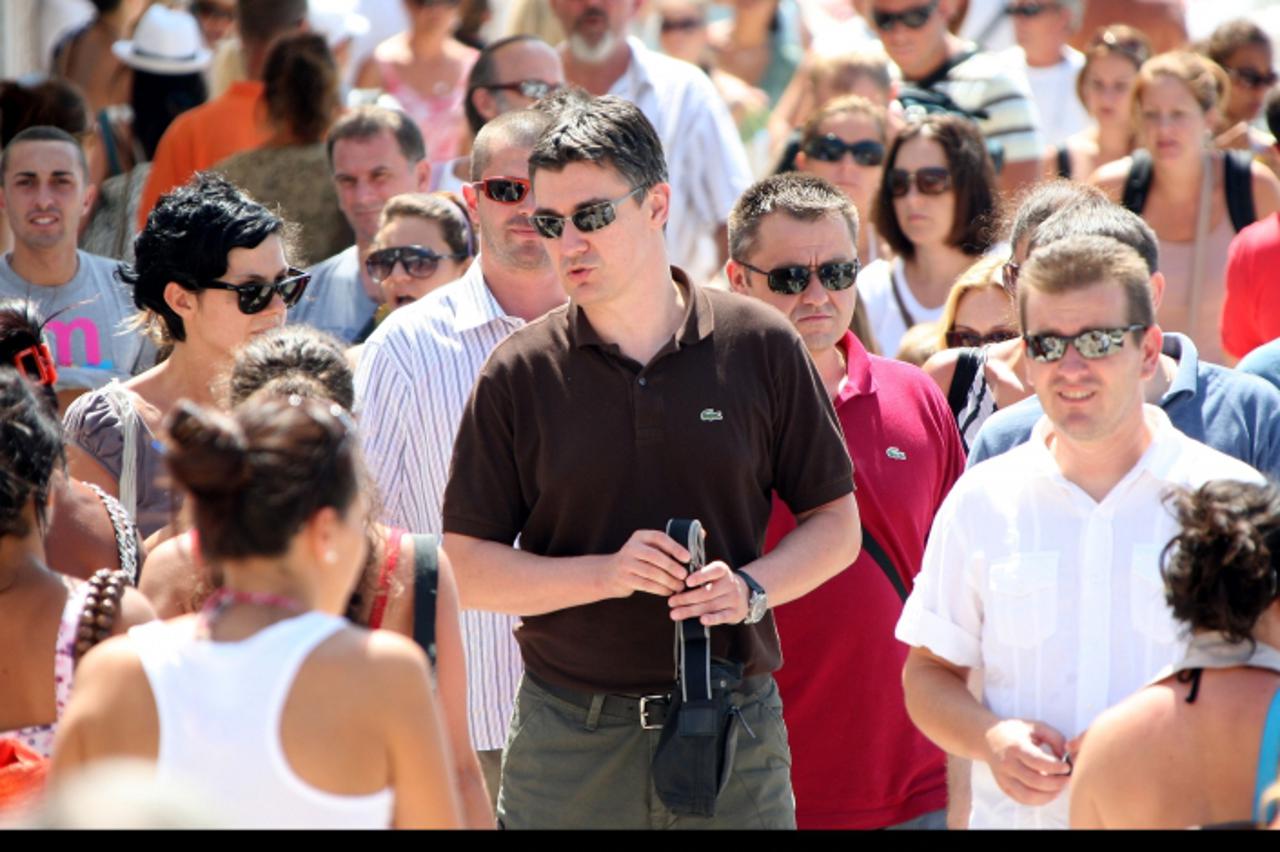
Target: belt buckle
[[644, 711]]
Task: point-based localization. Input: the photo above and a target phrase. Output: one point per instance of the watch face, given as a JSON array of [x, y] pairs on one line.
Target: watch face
[[757, 606]]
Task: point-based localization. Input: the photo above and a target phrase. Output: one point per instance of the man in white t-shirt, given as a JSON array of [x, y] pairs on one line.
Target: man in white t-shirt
[[45, 190], [1042, 569], [706, 163], [1049, 64]]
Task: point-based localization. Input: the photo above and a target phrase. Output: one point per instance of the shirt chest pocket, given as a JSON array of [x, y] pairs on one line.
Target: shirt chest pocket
[[1148, 610], [1023, 604]]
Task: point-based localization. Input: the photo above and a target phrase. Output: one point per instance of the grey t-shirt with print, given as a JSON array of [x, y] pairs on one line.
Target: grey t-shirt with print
[[84, 322]]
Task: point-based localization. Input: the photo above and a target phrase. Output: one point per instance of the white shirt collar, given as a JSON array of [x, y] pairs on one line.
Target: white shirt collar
[[1157, 459], [476, 305]]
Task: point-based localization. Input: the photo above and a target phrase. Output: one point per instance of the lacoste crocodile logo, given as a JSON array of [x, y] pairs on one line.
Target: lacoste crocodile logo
[[896, 454], [711, 415]]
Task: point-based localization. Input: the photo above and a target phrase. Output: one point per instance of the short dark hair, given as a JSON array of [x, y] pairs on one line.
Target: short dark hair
[[973, 179], [443, 208], [484, 73], [1078, 262], [1043, 199], [605, 131], [1229, 37], [1220, 571], [262, 21], [366, 122], [519, 129], [44, 133], [806, 198], [258, 474], [54, 102], [157, 99], [187, 239], [1099, 217], [300, 85], [293, 359]]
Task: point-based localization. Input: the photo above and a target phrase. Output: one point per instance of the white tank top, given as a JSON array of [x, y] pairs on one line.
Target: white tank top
[[220, 704]]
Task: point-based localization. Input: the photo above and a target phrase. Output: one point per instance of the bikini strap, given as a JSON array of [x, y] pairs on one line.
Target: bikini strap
[[388, 570]]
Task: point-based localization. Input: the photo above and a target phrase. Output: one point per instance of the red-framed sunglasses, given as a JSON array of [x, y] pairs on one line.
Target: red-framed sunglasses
[[504, 190], [35, 363]]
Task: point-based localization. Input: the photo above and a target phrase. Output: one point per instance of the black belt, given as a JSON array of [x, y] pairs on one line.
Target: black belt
[[649, 710]]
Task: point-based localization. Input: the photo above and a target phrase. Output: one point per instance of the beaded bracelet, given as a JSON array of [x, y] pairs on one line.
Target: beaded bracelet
[[101, 608]]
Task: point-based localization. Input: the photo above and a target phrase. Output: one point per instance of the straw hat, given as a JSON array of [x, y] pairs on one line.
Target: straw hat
[[166, 41]]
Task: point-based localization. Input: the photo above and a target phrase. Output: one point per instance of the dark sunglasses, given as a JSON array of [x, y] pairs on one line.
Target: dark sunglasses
[[914, 18], [931, 180], [418, 262], [593, 217], [1092, 344], [831, 149], [1251, 79], [255, 297], [677, 25], [1029, 10], [792, 280], [205, 9], [504, 190], [972, 340], [532, 89]]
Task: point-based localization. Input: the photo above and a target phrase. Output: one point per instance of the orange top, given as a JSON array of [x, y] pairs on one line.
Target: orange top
[[203, 136]]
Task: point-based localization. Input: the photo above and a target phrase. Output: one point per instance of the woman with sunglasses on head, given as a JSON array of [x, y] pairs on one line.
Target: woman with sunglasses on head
[[934, 208], [87, 528], [1105, 83], [1194, 197], [280, 710], [1200, 745], [425, 69], [210, 272], [41, 611]]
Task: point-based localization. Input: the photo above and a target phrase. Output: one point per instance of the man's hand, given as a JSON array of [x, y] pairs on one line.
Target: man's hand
[[716, 593], [650, 561], [1023, 769]]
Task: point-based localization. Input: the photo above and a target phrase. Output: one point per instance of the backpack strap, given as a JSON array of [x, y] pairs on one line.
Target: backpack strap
[[967, 365], [426, 581], [1238, 185], [872, 547], [1138, 183], [1063, 156]]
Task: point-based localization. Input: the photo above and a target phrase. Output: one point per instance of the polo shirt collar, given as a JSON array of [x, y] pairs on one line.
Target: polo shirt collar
[[476, 305], [1180, 348], [1158, 459], [697, 324], [860, 381]]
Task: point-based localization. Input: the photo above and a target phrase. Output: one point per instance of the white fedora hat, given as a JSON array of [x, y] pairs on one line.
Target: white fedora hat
[[166, 41]]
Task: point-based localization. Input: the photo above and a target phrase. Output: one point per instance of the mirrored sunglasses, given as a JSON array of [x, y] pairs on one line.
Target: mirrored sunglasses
[[418, 262], [831, 149], [504, 190], [792, 280], [532, 89], [1092, 344], [913, 18], [593, 217], [254, 297], [931, 180]]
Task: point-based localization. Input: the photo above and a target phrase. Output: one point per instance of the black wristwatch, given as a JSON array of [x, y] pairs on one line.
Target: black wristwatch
[[757, 601]]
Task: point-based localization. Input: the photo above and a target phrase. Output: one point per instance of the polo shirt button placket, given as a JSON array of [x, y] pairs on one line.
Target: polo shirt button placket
[[643, 382]]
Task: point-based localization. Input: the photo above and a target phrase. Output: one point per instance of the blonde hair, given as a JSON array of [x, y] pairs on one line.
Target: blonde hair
[[844, 70], [1204, 79], [845, 105], [919, 343], [984, 273]]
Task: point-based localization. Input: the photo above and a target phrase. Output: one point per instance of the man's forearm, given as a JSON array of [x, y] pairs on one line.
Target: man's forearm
[[942, 707], [500, 578], [825, 542]]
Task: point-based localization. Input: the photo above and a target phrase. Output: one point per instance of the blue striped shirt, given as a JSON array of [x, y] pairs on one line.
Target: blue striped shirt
[[414, 379]]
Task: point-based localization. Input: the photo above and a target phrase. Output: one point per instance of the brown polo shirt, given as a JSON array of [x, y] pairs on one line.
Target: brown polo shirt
[[572, 446]]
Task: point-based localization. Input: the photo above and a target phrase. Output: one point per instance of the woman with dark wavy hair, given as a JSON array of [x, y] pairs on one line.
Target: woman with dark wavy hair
[[1201, 744]]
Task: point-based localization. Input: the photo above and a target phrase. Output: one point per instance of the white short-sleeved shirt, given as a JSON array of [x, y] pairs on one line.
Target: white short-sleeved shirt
[[877, 283], [415, 377], [1053, 91], [1056, 598], [706, 163]]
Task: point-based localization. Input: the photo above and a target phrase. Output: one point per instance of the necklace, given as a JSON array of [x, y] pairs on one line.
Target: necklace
[[223, 599]]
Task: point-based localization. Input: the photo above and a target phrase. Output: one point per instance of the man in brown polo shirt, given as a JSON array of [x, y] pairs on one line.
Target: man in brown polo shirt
[[645, 398]]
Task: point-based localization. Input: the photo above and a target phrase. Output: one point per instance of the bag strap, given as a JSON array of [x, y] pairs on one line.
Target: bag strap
[[967, 365], [693, 638], [118, 398], [1064, 162], [907, 319], [1138, 183], [872, 547], [426, 583], [1238, 185]]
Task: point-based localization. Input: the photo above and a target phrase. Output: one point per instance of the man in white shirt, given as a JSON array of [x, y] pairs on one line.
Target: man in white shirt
[[415, 376], [1049, 64], [706, 163], [1042, 570]]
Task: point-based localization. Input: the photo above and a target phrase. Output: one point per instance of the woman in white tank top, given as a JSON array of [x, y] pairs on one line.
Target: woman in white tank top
[[279, 712]]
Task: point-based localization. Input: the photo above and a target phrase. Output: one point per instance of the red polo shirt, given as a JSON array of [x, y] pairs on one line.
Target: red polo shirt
[[858, 761], [1251, 313]]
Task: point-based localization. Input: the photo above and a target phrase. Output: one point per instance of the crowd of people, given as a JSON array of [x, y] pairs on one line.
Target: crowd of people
[[562, 414]]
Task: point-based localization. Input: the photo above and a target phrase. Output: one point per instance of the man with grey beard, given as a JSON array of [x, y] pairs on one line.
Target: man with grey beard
[[705, 160]]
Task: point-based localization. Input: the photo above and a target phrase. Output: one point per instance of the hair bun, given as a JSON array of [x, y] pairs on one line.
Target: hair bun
[[208, 453]]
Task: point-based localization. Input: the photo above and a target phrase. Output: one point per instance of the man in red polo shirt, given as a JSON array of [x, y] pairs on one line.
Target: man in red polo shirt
[[858, 761]]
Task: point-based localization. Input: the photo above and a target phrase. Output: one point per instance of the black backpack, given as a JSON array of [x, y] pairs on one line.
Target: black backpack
[[1238, 183]]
